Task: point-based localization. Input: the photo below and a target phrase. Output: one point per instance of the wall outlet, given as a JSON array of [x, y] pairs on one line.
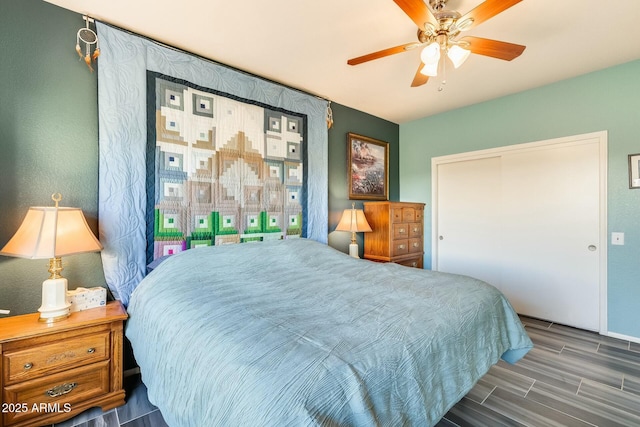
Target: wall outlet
[[617, 238]]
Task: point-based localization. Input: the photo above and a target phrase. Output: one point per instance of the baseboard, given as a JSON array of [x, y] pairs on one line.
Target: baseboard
[[623, 337]]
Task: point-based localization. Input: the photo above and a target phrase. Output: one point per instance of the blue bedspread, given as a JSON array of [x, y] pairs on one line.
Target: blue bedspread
[[295, 333]]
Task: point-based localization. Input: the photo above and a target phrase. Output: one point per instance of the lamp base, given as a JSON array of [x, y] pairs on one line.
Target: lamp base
[[54, 300], [353, 250]]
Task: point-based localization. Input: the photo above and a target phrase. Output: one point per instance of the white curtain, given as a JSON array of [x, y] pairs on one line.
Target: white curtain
[[124, 61]]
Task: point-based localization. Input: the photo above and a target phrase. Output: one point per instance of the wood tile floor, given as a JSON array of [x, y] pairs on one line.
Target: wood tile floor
[[570, 378]]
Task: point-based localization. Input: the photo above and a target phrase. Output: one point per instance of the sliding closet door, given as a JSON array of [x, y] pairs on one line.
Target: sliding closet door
[[469, 202], [551, 227], [529, 221]]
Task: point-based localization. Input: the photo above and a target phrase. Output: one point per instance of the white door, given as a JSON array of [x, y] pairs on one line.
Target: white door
[[468, 233], [531, 226]]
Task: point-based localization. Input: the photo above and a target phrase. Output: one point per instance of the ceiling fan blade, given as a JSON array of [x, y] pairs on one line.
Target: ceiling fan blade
[[419, 78], [418, 11], [487, 10], [382, 53], [492, 48]]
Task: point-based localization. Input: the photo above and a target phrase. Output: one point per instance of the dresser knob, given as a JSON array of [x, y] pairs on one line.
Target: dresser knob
[[402, 230], [91, 350], [28, 366], [400, 246]]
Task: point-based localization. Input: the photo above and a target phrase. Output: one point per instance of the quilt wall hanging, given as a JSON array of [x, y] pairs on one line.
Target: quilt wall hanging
[[123, 198], [221, 169]]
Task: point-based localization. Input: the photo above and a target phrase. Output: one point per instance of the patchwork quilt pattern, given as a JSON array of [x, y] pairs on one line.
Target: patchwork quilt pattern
[[222, 170]]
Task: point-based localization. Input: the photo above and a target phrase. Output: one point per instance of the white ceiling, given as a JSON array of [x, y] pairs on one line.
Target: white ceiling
[[306, 45]]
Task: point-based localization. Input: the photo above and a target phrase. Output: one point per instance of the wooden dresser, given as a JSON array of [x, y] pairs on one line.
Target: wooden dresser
[[51, 372], [397, 234]]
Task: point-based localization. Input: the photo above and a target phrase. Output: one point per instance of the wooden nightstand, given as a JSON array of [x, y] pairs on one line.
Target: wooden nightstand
[[52, 372]]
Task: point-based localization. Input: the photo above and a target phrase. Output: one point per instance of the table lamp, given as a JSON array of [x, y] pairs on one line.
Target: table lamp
[[353, 220], [52, 232]]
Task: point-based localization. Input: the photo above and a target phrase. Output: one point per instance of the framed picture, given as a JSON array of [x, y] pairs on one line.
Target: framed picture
[[634, 170], [367, 168]]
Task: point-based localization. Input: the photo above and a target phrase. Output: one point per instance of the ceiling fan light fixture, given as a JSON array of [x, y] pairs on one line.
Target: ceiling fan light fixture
[[458, 55], [430, 55], [437, 32], [430, 70]]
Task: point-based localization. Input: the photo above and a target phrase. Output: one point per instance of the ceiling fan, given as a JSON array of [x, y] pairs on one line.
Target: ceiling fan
[[438, 29]]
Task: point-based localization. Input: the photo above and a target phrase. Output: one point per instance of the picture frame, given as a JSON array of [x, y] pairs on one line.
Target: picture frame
[[634, 170], [367, 167]]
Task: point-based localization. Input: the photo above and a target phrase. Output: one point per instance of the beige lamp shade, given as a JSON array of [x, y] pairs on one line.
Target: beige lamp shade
[[51, 232], [353, 220]]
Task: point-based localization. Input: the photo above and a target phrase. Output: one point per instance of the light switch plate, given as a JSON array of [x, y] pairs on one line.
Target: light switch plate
[[617, 238]]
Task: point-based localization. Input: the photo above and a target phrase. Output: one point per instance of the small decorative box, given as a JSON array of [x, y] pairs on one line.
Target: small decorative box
[[85, 298]]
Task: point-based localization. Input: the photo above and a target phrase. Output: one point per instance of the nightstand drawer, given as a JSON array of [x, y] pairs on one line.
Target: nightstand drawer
[[56, 393], [50, 358]]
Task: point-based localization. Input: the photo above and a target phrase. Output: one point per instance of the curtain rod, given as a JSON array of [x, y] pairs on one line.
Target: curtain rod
[[177, 49]]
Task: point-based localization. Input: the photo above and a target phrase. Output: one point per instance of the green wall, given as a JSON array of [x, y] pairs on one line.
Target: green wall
[[604, 100], [48, 139], [349, 120]]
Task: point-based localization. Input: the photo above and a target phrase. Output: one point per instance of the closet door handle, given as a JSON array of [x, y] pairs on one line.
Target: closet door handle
[[592, 247], [441, 238]]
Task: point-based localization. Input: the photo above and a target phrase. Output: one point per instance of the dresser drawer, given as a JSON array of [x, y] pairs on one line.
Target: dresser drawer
[[408, 214], [412, 262], [415, 229], [400, 247], [396, 215], [400, 231], [33, 362], [56, 393], [415, 245]]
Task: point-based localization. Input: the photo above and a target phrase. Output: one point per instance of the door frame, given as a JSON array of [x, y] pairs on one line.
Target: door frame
[[602, 139]]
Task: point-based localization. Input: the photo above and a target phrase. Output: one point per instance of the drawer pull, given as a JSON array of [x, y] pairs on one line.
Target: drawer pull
[[415, 230], [416, 244], [28, 366], [400, 246], [91, 350], [414, 264], [61, 389], [401, 230]]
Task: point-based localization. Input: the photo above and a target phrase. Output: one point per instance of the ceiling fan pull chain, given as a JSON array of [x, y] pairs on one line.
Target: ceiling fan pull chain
[[444, 74]]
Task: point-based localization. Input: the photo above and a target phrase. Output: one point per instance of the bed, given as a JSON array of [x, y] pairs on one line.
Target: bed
[[295, 333]]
